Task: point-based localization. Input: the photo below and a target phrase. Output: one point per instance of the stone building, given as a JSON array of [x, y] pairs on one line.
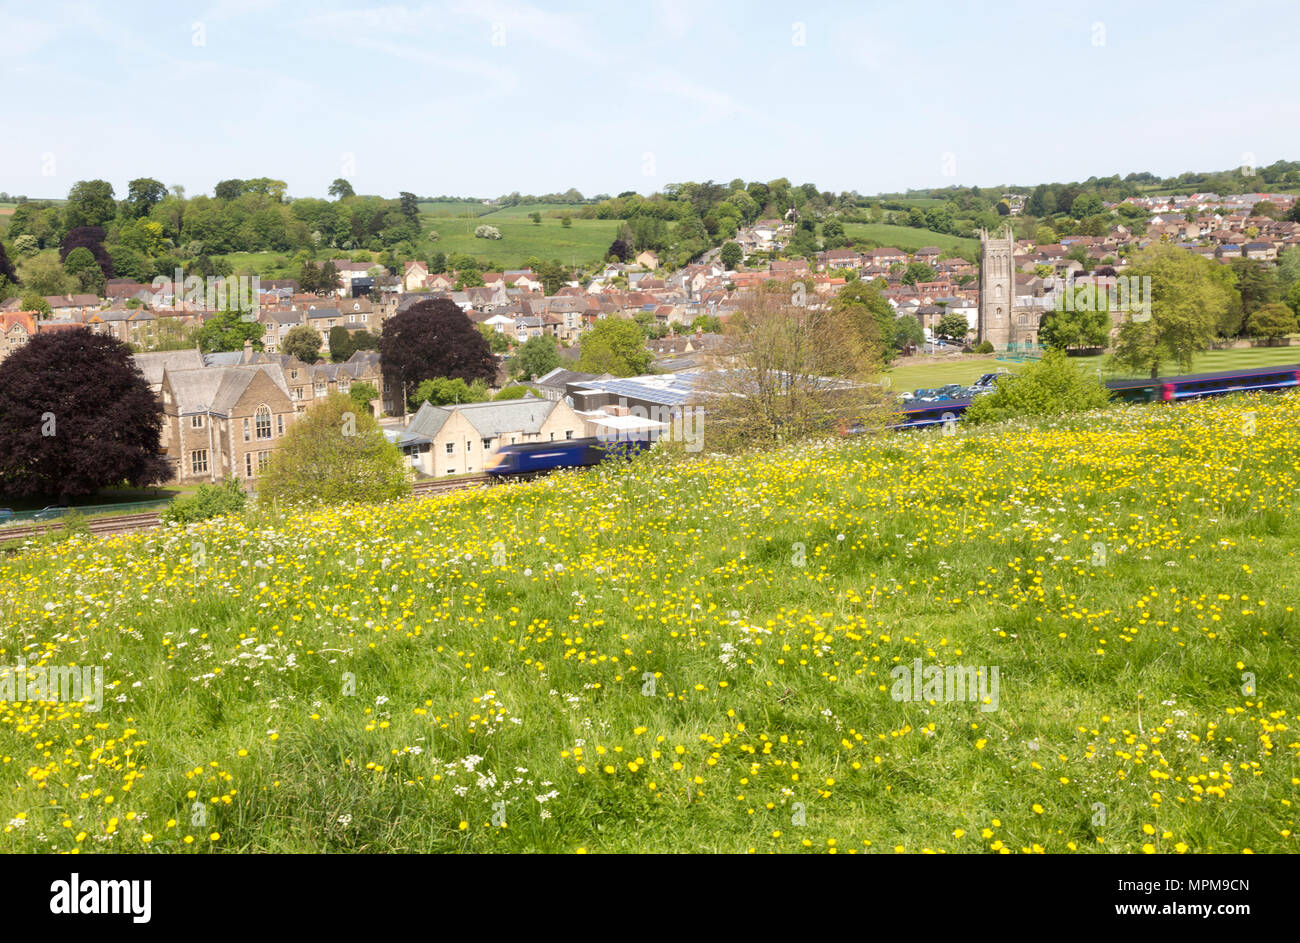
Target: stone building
[[1004, 322]]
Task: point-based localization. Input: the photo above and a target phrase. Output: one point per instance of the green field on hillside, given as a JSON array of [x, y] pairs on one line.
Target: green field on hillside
[[585, 242], [1078, 635], [906, 238]]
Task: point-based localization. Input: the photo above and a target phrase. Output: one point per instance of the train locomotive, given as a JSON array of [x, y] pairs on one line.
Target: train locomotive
[[536, 457]]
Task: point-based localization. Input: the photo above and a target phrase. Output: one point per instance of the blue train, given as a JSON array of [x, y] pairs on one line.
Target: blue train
[[1162, 389], [535, 457]]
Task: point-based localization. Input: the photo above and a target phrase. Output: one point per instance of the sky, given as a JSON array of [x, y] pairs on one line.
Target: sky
[[480, 98]]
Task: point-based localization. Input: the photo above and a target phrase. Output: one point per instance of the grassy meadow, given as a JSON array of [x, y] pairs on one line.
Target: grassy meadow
[[906, 237], [585, 242], [698, 656]]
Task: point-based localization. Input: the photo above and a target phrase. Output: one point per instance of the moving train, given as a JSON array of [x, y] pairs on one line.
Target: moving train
[[534, 457], [1161, 389]]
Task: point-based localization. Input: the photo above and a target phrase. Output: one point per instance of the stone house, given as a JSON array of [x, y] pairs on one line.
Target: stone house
[[454, 440], [221, 422]]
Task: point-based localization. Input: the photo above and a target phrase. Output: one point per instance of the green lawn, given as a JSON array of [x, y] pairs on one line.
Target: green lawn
[[905, 376], [905, 237]]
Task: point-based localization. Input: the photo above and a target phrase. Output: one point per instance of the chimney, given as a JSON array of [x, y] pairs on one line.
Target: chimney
[[248, 351]]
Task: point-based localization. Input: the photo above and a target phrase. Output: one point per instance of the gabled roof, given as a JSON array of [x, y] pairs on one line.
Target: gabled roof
[[218, 389], [488, 419]]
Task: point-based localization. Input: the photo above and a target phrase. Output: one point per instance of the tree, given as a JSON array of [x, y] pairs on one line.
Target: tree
[[142, 195], [90, 203], [340, 189], [553, 276], [55, 440], [1062, 329], [33, 301], [1086, 204], [209, 501], [511, 392], [81, 265], [1189, 296], [567, 221], [1273, 321], [497, 341], [785, 372], [1256, 283], [486, 232], [537, 357], [617, 346], [441, 391], [871, 316], [917, 272], [953, 326], [908, 332], [342, 346], [335, 452], [433, 338], [536, 217], [1050, 387], [731, 255], [302, 341], [44, 275], [7, 267], [90, 238], [363, 394], [227, 331]]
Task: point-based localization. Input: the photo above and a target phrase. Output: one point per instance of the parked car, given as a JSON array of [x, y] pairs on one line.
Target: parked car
[[51, 512]]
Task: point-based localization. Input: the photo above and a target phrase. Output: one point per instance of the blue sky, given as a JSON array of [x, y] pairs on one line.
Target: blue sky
[[478, 98]]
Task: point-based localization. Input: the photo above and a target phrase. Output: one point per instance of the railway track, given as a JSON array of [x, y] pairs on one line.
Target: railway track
[[121, 524], [132, 523]]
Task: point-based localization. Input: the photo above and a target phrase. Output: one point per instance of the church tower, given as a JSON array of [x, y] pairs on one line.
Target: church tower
[[997, 287]]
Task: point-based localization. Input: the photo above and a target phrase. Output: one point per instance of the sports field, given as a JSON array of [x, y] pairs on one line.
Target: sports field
[[904, 376]]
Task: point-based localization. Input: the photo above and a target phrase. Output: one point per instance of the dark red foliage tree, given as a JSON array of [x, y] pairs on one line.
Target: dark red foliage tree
[[434, 338], [76, 415], [6, 267], [92, 238]]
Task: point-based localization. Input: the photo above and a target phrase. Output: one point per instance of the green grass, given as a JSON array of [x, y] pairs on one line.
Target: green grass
[[697, 656], [585, 242], [905, 237], [904, 376]]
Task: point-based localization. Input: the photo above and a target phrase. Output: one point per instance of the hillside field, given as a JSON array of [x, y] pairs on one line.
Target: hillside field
[[699, 655], [907, 238], [585, 242]]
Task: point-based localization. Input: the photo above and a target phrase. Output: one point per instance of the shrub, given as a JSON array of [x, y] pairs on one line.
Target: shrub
[[335, 452], [487, 232], [1050, 387], [984, 347], [209, 501]]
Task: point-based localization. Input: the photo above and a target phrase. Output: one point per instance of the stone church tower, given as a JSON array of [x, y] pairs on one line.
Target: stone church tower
[[997, 287]]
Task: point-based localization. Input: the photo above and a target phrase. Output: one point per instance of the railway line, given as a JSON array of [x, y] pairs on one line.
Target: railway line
[[1166, 389]]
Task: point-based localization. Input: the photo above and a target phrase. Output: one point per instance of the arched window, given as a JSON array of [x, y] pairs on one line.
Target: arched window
[[262, 419]]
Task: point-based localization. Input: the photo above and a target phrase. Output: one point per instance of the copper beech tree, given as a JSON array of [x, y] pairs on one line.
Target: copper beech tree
[[76, 415]]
